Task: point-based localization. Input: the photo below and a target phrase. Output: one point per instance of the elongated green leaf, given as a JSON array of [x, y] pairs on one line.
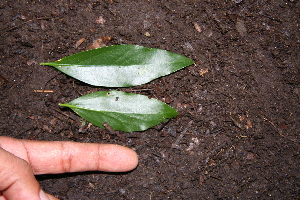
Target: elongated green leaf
[[121, 111], [120, 65]]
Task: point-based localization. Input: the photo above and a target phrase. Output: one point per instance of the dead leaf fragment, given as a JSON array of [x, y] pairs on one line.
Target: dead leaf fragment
[[110, 1], [43, 27], [147, 34], [100, 42], [241, 121], [100, 20], [240, 27], [203, 71], [248, 124], [79, 42], [92, 185]]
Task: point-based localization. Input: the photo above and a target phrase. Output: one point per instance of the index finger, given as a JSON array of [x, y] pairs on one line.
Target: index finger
[[47, 157]]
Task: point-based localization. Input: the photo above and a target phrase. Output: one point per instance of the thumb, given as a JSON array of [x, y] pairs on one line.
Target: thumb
[[46, 196], [17, 180]]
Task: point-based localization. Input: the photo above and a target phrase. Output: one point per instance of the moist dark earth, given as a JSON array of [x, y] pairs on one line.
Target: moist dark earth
[[237, 132]]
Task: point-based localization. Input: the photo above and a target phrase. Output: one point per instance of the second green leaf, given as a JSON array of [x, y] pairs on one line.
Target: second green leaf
[[121, 111]]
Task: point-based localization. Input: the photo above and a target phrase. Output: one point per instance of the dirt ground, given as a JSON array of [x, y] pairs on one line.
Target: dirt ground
[[237, 133]]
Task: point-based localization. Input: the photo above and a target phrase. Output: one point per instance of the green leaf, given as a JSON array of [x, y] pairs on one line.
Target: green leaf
[[120, 65], [121, 111]]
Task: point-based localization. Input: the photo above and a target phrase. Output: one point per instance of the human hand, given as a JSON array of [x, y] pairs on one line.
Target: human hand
[[20, 160]]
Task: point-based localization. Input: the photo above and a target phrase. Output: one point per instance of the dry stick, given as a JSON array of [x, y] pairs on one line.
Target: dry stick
[[43, 91], [69, 116], [176, 144], [139, 90], [277, 130], [3, 78], [41, 18]]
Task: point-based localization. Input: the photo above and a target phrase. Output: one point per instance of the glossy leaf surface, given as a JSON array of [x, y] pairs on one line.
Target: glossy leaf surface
[[120, 65], [121, 111]]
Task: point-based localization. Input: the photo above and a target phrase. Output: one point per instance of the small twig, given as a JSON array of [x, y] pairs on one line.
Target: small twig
[[211, 67], [140, 90], [50, 80], [159, 156], [163, 125], [40, 18], [176, 145], [3, 78], [277, 130], [236, 122], [65, 114], [43, 91]]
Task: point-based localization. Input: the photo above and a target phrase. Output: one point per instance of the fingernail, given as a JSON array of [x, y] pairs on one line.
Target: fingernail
[[43, 195]]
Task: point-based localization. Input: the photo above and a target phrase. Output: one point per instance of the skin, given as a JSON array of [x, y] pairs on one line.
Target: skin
[[20, 160]]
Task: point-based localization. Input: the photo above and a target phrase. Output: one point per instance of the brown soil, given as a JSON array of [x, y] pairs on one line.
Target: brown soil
[[237, 135]]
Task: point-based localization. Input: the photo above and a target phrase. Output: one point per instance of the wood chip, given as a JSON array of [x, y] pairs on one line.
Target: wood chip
[[197, 27], [79, 42]]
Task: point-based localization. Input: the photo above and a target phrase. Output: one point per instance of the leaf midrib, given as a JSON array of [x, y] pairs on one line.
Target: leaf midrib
[[81, 65], [104, 111]]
